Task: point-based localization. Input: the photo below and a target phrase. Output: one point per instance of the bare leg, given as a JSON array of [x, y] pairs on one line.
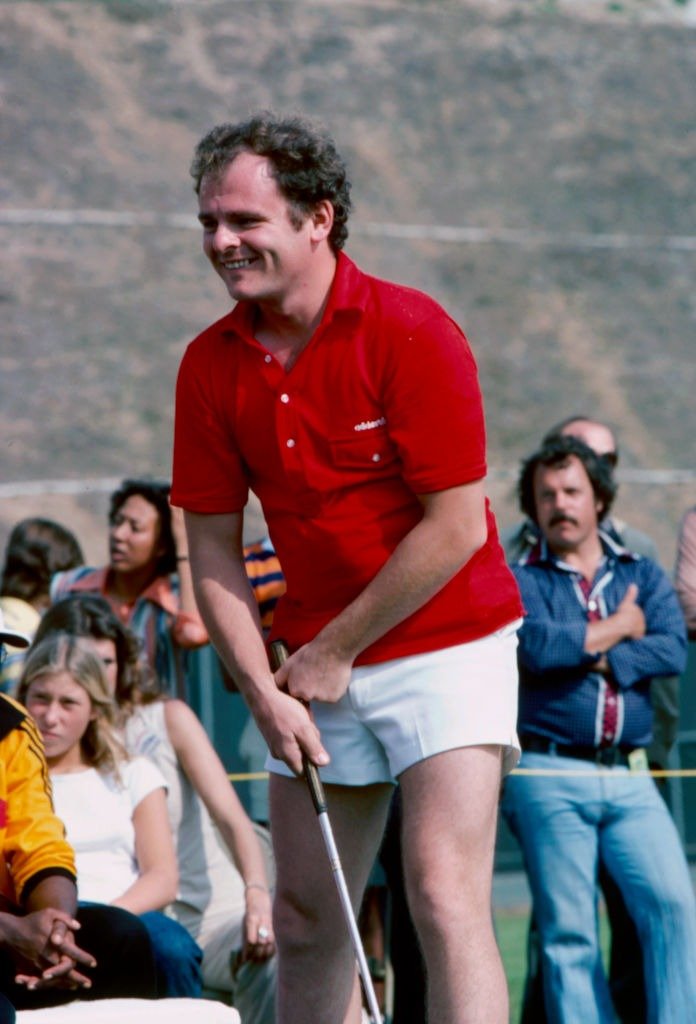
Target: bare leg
[[449, 823], [316, 964]]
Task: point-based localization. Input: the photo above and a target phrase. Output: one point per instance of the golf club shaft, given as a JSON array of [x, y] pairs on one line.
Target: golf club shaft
[[279, 654]]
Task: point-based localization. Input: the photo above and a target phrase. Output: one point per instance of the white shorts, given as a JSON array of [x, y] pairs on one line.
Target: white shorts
[[397, 713]]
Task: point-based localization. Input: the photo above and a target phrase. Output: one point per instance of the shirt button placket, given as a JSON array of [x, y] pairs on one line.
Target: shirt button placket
[[285, 422]]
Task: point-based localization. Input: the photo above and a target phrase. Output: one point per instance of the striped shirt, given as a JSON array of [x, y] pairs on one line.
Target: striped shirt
[[266, 578], [155, 618]]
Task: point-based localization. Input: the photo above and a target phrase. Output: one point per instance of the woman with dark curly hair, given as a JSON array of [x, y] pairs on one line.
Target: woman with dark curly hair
[[147, 582]]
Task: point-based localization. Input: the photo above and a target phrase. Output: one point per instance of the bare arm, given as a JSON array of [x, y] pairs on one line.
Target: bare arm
[[685, 571], [194, 632], [231, 615], [452, 529], [154, 851], [207, 775]]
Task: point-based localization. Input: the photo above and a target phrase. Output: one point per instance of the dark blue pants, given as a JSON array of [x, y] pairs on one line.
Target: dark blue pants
[[125, 965], [177, 956]]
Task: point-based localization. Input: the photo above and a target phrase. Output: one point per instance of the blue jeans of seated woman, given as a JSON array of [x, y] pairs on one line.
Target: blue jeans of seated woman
[[177, 956], [562, 822]]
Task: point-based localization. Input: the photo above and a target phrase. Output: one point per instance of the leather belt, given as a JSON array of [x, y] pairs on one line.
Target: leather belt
[[608, 756]]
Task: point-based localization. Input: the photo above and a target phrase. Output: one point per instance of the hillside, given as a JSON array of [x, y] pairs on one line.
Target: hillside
[[563, 133]]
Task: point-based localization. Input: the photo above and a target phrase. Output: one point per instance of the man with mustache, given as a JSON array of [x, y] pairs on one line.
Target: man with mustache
[[601, 623], [625, 973], [601, 439]]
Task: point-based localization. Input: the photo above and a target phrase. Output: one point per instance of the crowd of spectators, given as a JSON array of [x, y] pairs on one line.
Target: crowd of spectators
[[135, 812], [95, 700]]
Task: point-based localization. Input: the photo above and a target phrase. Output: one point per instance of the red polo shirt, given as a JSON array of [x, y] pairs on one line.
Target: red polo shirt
[[383, 404]]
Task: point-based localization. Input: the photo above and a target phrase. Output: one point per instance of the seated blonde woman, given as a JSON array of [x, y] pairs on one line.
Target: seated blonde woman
[[224, 898], [113, 807]]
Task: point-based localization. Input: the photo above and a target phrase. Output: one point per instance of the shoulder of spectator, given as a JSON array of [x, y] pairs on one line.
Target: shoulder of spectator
[[34, 843], [632, 539], [181, 721], [518, 539]]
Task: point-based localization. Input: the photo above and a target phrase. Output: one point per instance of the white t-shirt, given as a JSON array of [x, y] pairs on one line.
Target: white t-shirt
[[97, 811]]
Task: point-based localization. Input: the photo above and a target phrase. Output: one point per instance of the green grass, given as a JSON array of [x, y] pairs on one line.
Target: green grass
[[511, 930]]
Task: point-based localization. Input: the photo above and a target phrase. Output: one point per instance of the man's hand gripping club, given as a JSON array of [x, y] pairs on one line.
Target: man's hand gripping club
[[285, 719]]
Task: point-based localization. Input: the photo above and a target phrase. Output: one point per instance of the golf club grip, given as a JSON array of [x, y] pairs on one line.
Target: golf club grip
[[279, 655], [316, 788]]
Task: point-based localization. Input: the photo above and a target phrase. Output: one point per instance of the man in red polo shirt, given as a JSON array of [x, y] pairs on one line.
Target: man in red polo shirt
[[351, 407]]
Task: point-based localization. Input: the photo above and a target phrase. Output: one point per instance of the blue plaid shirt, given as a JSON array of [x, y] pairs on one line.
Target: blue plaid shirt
[[561, 694]]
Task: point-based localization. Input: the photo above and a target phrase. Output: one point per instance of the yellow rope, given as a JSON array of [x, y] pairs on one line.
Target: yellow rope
[[657, 773], [247, 776]]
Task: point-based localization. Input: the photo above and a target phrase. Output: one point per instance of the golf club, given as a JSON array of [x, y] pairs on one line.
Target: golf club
[[279, 654]]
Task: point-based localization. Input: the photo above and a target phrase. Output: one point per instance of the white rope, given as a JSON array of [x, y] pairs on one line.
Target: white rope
[[105, 485], [33, 488], [464, 235]]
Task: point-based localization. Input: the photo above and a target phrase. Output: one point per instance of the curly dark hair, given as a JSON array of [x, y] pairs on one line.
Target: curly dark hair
[[306, 164], [90, 615], [36, 549], [556, 451], [157, 494]]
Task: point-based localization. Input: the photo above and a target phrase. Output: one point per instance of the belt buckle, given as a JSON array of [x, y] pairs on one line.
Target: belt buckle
[[608, 756]]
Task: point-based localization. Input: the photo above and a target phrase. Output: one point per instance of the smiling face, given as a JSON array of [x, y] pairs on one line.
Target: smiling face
[[260, 245], [566, 507], [134, 536], [62, 710]]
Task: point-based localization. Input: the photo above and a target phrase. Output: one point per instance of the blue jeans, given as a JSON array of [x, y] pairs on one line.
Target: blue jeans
[[177, 956], [562, 823]]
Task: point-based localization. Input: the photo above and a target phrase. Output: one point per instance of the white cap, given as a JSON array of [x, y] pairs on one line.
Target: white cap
[[11, 636]]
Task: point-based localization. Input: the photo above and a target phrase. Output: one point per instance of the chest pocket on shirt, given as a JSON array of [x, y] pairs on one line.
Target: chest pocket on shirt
[[371, 449]]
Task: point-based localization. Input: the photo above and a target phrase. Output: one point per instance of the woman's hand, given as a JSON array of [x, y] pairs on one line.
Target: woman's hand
[[259, 940]]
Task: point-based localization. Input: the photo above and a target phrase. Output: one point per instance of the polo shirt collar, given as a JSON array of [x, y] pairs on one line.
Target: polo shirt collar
[[541, 554], [93, 580], [349, 289], [348, 293], [159, 591]]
